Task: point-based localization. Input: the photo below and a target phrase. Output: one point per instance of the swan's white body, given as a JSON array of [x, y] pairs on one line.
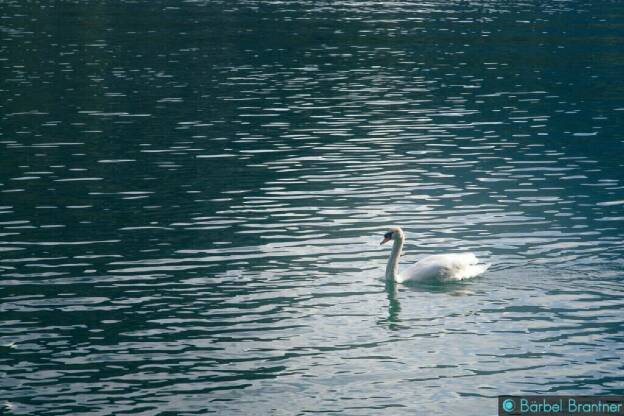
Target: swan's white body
[[441, 267]]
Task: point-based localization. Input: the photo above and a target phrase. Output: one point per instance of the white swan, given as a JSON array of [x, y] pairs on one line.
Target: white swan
[[443, 267]]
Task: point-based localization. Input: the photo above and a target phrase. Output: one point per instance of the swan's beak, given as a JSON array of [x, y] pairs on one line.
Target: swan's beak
[[385, 240]]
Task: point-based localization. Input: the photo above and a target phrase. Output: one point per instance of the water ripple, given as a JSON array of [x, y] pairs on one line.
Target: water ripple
[[192, 204]]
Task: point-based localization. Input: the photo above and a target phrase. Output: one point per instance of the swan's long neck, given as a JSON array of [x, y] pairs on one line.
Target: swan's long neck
[[392, 269]]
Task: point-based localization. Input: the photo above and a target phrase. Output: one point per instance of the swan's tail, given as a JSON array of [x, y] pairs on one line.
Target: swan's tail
[[472, 271]]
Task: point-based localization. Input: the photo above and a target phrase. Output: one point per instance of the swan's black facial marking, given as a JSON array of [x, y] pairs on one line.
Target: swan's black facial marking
[[387, 237]]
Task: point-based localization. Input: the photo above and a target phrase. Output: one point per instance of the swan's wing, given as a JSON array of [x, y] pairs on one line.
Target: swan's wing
[[429, 268], [461, 266], [420, 271], [445, 267]]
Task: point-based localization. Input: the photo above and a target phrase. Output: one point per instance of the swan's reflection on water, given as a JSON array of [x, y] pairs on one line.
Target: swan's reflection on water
[[393, 292], [394, 306]]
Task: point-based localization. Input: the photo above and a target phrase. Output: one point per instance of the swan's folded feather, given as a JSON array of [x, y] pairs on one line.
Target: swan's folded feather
[[444, 267]]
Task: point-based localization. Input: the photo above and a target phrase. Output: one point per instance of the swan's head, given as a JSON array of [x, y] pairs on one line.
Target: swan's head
[[394, 233]]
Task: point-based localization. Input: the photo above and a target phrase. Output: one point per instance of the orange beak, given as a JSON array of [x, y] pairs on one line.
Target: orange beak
[[385, 240]]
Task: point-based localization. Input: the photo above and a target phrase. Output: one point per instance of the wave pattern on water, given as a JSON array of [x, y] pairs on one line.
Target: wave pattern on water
[[192, 197]]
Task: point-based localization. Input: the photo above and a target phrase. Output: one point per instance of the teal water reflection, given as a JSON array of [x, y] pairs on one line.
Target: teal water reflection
[[192, 196]]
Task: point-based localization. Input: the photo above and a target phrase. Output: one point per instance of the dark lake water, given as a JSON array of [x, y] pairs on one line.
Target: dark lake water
[[192, 194]]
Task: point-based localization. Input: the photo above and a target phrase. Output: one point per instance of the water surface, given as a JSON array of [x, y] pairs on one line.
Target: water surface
[[192, 196]]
